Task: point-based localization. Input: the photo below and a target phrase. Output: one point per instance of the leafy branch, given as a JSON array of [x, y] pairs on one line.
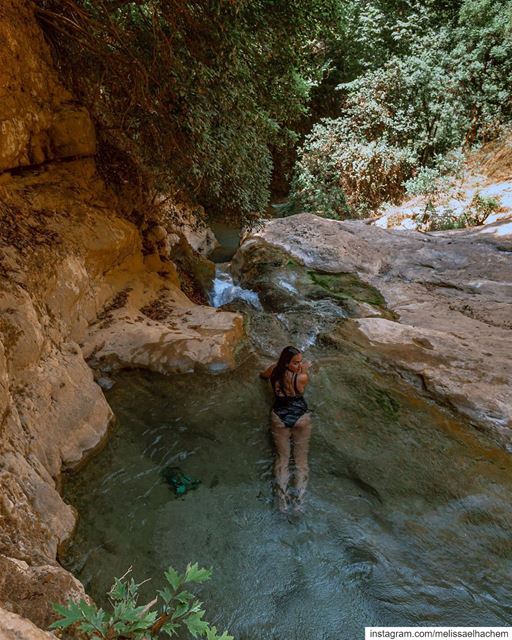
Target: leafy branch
[[174, 608]]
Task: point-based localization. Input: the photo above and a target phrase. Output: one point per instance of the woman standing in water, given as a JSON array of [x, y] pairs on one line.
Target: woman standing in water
[[290, 422]]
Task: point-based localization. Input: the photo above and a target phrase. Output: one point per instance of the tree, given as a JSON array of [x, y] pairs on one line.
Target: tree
[[428, 95], [190, 94]]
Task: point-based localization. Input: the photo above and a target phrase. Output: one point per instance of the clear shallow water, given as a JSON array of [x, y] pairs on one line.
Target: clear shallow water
[[408, 515], [229, 241]]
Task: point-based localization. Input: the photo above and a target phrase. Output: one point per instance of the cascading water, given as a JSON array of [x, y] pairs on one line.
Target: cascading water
[[224, 289]]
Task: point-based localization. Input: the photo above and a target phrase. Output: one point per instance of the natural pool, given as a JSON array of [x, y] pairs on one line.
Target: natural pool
[[408, 511], [408, 514]]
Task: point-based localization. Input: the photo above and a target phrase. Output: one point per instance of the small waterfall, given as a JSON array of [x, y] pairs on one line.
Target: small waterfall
[[224, 290]]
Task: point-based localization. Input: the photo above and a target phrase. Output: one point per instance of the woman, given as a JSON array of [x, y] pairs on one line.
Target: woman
[[290, 422]]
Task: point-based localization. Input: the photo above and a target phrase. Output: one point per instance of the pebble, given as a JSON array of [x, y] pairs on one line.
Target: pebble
[[105, 383]]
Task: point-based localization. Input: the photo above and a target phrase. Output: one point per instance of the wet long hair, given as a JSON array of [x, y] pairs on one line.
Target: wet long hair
[[277, 376]]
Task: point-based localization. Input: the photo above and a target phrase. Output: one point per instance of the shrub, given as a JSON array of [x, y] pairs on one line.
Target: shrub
[[480, 209], [425, 183], [390, 125], [433, 180], [445, 218], [173, 608], [439, 219], [339, 175], [440, 83]]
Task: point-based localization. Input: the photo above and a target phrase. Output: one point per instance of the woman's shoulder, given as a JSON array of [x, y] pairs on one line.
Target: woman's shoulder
[[302, 378]]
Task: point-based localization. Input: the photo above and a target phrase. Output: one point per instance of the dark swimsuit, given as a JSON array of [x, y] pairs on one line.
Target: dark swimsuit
[[290, 408]]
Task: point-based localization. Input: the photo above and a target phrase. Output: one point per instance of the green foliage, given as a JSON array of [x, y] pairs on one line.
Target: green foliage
[[432, 180], [174, 608], [339, 175], [366, 35], [191, 92], [482, 64], [430, 183], [427, 182], [198, 96], [432, 81], [481, 208], [440, 219], [445, 218]]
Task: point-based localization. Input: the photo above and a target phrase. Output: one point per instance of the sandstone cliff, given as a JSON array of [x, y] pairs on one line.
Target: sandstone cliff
[[74, 283]]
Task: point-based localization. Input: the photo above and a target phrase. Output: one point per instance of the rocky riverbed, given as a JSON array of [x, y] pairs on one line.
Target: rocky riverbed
[[448, 295], [400, 487], [81, 285]]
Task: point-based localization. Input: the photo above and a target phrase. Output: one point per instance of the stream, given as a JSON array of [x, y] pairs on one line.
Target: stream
[[408, 511]]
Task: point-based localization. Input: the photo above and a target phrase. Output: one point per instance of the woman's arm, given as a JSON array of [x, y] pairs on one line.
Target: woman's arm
[[303, 377], [268, 372], [302, 381]]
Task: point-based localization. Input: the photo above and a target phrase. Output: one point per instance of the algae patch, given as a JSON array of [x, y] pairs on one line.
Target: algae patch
[[347, 286]]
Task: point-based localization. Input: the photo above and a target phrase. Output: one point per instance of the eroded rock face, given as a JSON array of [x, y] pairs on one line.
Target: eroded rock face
[[14, 627], [39, 120], [451, 294], [74, 283], [189, 221]]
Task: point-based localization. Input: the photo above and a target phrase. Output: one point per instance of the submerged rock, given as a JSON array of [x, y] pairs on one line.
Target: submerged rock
[[105, 383]]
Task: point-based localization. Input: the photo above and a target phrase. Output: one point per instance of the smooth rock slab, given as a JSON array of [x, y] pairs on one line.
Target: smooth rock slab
[[451, 293]]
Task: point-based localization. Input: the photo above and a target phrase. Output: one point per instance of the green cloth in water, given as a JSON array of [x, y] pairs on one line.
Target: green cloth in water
[[178, 481]]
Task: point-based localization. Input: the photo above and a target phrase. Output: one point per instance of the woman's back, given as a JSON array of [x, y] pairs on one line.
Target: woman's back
[[287, 386]]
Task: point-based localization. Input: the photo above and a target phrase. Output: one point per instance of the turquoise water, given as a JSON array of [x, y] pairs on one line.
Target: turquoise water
[[408, 511], [407, 520], [229, 240]]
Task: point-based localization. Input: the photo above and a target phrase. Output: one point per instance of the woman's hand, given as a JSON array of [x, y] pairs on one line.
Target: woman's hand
[[304, 366]]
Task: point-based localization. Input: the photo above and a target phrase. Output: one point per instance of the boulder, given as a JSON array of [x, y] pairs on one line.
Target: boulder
[[14, 627], [450, 296]]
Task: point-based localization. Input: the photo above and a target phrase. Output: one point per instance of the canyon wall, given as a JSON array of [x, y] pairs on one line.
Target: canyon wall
[[75, 283]]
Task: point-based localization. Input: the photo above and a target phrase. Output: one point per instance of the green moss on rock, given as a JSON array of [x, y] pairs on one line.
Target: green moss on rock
[[346, 286]]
